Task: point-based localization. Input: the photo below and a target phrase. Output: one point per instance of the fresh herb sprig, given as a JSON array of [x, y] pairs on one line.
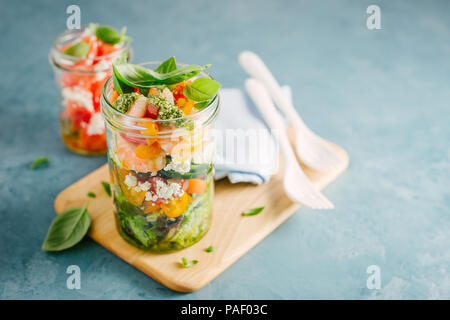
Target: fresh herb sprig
[[67, 229], [109, 35], [79, 49], [136, 76], [210, 249]]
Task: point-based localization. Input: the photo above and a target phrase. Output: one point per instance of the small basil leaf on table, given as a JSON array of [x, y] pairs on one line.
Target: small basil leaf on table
[[167, 66], [252, 212], [67, 229], [210, 249], [79, 49], [39, 162], [107, 188], [91, 195], [201, 89]]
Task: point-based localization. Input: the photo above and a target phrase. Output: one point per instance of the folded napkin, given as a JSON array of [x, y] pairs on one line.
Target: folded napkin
[[246, 149]]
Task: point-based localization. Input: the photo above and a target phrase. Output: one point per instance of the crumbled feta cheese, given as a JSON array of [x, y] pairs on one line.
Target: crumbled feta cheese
[[102, 66], [96, 125], [130, 180], [99, 76], [179, 165], [168, 190], [149, 196], [78, 95], [143, 186]]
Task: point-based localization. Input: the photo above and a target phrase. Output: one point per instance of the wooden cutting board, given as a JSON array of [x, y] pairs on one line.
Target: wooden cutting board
[[231, 233]]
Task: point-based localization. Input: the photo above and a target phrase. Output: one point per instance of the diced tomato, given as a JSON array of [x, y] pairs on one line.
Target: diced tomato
[[77, 113], [95, 142], [152, 111], [178, 90]]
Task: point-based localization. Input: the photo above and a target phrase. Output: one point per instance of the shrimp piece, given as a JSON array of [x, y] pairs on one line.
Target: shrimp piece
[[126, 154], [168, 95], [138, 108]]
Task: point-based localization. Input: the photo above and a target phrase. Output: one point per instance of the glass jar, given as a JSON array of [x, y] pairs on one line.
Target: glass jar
[[80, 81], [161, 174]]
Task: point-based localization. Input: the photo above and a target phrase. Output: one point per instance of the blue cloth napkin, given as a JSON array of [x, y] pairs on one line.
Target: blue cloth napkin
[[246, 151]]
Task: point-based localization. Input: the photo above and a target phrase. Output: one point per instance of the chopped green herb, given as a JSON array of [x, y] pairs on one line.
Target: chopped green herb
[[252, 212], [169, 111], [91, 195], [210, 249], [41, 161], [187, 264], [124, 102], [107, 188], [79, 49]]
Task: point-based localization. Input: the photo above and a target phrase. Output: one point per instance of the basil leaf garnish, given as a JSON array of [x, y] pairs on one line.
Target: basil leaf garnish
[[201, 89], [167, 66], [67, 229], [79, 49], [210, 249], [252, 212], [137, 76], [108, 34]]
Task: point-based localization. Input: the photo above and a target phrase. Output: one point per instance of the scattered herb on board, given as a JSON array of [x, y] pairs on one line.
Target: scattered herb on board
[[67, 229], [107, 188], [187, 264], [252, 212], [39, 162], [91, 195], [210, 249]]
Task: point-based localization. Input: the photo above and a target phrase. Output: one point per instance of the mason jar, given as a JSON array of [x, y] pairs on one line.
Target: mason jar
[[161, 174], [80, 81]]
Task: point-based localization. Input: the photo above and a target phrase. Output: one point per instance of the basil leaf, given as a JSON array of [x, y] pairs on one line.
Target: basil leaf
[[91, 195], [107, 188], [210, 249], [187, 264], [202, 105], [67, 229], [252, 212], [167, 66], [138, 76], [108, 34], [201, 89], [79, 49], [120, 87], [41, 161]]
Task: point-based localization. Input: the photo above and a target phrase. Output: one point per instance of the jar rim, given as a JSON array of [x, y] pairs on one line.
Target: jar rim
[[214, 101], [55, 53]]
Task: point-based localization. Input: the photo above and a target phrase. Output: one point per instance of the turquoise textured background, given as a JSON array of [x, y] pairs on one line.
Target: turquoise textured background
[[383, 95]]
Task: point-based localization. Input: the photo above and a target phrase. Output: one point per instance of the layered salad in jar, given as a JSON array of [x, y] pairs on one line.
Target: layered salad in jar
[[82, 60], [160, 151]]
